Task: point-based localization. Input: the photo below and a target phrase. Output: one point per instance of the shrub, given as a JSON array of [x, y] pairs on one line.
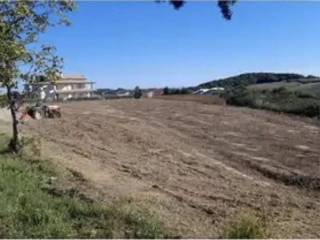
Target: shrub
[[302, 94], [279, 90], [246, 227], [239, 96]]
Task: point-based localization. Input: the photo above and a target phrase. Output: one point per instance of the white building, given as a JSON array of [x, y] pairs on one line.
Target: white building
[[209, 91], [67, 87]]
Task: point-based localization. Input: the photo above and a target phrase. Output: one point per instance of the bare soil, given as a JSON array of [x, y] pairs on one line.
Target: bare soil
[[215, 99], [5, 115], [196, 165], [5, 120]]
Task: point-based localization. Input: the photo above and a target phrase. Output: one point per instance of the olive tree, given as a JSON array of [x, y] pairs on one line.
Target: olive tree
[[21, 57]]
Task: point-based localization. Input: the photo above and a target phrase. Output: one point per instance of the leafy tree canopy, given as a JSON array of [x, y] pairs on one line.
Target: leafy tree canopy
[[251, 78], [21, 23], [137, 92], [224, 5]]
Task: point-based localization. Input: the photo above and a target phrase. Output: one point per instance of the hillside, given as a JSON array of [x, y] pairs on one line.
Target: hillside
[[257, 78], [280, 92], [309, 89]]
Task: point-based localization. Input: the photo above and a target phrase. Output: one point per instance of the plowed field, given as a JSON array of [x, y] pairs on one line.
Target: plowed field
[[196, 165]]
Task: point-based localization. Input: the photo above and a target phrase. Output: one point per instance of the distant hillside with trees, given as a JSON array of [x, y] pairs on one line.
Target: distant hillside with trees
[[255, 78], [280, 92]]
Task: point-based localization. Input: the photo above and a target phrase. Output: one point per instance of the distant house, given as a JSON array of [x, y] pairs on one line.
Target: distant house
[[153, 93], [123, 94], [149, 94], [66, 87], [209, 91], [114, 93]]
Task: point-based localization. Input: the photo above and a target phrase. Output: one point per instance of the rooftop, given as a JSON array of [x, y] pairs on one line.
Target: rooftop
[[75, 91], [72, 77], [66, 79]]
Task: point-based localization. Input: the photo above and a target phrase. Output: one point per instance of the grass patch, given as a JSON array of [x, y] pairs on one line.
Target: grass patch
[[3, 101], [29, 209], [246, 226]]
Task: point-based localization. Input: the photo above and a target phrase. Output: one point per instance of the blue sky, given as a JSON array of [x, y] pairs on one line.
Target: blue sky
[[124, 44]]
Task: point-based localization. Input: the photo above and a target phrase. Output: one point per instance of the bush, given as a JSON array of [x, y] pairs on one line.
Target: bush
[[246, 227], [305, 108], [239, 96], [279, 90], [303, 95]]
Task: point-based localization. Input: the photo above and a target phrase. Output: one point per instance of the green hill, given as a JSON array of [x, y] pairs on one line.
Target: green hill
[[305, 88], [281, 92], [257, 78]]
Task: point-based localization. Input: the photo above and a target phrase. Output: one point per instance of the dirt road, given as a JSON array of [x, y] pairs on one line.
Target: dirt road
[[196, 165]]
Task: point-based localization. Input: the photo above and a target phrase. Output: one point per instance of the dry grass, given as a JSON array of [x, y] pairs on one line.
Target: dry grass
[[33, 205], [247, 226]]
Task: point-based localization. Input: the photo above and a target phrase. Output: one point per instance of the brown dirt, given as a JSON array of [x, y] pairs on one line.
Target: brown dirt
[[5, 120], [195, 98], [196, 165]]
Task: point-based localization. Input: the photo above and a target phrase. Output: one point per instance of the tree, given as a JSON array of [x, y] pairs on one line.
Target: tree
[[176, 91], [224, 5], [184, 91], [166, 91], [137, 93], [21, 23]]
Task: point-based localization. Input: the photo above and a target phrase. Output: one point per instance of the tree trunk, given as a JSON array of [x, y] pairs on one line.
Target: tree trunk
[[14, 144]]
